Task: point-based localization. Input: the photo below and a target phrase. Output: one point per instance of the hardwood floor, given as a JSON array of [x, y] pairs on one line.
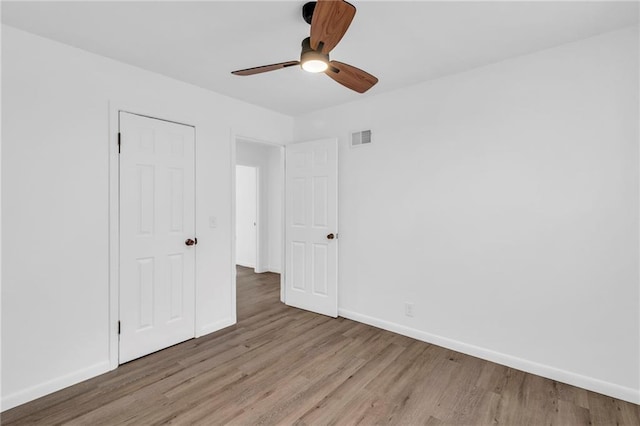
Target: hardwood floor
[[280, 365]]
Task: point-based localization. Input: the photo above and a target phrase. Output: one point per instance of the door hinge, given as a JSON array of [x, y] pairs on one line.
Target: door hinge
[[118, 142], [118, 327]]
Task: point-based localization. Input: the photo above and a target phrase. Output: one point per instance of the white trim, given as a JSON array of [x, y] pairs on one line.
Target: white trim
[[114, 234], [638, 260], [195, 231], [258, 268], [283, 224], [42, 389], [553, 373], [114, 109], [232, 207], [215, 326]]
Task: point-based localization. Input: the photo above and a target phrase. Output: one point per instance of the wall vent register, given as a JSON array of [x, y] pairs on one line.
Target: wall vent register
[[361, 138]]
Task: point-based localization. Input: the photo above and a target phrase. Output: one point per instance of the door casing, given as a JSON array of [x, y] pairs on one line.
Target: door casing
[[115, 107]]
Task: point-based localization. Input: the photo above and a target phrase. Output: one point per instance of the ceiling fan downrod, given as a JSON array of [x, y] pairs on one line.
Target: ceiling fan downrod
[[307, 11]]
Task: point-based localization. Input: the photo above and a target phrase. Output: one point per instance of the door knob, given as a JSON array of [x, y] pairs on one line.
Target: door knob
[[191, 242], [330, 237]]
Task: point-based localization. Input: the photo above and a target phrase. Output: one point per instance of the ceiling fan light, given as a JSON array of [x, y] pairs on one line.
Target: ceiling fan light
[[312, 60], [315, 65]]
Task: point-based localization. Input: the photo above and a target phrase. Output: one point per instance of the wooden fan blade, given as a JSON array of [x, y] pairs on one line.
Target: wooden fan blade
[[330, 21], [265, 68], [350, 76]]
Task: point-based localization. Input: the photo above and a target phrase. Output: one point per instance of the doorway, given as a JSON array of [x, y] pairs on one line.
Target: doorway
[[246, 216], [267, 160]]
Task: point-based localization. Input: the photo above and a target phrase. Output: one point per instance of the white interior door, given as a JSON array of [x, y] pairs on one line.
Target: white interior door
[[311, 217], [246, 215], [157, 220]]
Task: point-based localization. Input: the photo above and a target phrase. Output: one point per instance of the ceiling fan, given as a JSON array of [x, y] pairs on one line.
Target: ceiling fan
[[329, 20]]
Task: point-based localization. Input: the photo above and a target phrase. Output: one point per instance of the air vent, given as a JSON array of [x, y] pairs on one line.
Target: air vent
[[361, 138]]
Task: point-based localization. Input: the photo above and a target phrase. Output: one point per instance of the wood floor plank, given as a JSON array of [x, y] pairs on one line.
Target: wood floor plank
[[324, 411], [281, 365]]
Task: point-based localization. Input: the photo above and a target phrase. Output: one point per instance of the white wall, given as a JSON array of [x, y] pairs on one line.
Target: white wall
[[503, 202], [55, 192], [268, 160]]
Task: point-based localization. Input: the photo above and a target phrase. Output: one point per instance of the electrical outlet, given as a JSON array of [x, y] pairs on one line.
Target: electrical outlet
[[213, 222], [408, 309]]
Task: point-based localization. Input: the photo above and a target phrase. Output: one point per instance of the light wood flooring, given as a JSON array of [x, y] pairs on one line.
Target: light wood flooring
[[281, 365]]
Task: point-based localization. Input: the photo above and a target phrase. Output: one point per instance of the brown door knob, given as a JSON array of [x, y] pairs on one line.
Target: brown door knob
[[330, 237], [191, 242]]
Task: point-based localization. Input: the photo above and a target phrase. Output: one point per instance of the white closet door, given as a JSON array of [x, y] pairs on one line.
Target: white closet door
[[157, 235]]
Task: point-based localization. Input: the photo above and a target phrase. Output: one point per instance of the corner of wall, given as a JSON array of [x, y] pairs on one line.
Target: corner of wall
[[215, 326]]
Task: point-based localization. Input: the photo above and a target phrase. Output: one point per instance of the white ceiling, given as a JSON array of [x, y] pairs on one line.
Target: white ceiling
[[402, 43]]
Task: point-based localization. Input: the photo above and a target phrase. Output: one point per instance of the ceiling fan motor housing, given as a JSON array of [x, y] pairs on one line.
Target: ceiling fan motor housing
[[309, 54]]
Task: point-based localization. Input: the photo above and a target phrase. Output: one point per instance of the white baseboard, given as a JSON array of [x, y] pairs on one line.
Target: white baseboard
[[564, 376], [37, 391], [215, 326], [263, 269], [42, 389]]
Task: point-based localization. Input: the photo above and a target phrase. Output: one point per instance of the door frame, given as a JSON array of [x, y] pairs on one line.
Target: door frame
[[114, 109], [232, 147]]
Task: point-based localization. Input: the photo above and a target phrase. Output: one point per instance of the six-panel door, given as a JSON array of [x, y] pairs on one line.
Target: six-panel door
[[311, 251], [157, 217]]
